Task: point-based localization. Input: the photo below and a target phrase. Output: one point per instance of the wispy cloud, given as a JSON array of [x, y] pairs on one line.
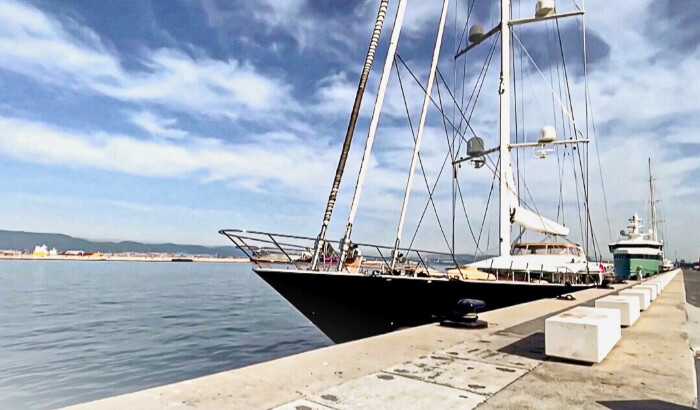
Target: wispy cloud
[[158, 126], [43, 48], [251, 164]]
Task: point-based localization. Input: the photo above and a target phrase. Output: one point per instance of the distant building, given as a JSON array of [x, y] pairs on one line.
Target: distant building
[[41, 251]]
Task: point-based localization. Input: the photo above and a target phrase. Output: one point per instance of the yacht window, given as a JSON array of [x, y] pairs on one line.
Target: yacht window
[[556, 250], [520, 250], [538, 250]]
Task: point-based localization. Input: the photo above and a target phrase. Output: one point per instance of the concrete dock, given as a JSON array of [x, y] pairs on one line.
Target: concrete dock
[[503, 366]]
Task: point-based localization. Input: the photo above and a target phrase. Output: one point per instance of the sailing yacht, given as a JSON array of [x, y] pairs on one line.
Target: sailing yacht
[[351, 290]]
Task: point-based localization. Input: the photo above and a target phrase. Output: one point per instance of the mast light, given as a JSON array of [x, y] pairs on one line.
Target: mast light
[[475, 146], [544, 8], [475, 149]]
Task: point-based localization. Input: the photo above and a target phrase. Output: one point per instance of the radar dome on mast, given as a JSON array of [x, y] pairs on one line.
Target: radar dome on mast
[[544, 8], [476, 33], [547, 135]]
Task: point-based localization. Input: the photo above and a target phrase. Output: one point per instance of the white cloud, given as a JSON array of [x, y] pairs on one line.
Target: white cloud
[[630, 94], [336, 95], [273, 14], [158, 126], [39, 46], [36, 45], [295, 166]]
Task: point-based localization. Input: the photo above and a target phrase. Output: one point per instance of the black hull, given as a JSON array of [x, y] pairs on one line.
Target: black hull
[[351, 307]]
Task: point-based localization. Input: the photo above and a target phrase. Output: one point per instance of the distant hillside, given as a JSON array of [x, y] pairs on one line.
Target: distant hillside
[[19, 240]]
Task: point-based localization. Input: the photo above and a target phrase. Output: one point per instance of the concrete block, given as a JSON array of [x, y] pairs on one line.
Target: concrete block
[[672, 274], [627, 305], [651, 288], [655, 284], [582, 333], [644, 296], [659, 282]]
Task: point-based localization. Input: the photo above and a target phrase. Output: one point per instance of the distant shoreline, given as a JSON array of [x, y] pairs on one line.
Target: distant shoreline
[[111, 258]]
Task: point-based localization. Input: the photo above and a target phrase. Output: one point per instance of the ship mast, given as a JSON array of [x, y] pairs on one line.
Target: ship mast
[[654, 236], [511, 212], [504, 129], [374, 122], [321, 240], [421, 126]]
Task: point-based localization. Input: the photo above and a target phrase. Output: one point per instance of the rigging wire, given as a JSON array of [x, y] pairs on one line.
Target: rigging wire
[[478, 84], [585, 80], [432, 100], [563, 107], [584, 181], [463, 118], [452, 156], [578, 196], [455, 182], [600, 172], [515, 101], [420, 160], [522, 96], [488, 202], [561, 163]]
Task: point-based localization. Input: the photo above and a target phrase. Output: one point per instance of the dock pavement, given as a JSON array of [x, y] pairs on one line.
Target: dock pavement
[[503, 366]]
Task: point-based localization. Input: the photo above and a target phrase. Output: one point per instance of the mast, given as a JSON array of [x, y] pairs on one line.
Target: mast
[[374, 122], [654, 236], [504, 127], [320, 242], [421, 126]]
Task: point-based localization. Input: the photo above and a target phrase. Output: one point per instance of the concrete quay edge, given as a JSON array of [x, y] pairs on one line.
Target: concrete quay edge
[[346, 369]]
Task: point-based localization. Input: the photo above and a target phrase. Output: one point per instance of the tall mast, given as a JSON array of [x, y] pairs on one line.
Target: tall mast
[[654, 236], [504, 126], [421, 126], [374, 122], [320, 243]]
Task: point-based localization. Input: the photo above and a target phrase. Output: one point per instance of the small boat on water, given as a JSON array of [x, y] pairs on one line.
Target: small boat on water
[[351, 290]]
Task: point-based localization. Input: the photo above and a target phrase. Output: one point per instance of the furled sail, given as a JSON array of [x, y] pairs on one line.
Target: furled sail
[[534, 222], [525, 217]]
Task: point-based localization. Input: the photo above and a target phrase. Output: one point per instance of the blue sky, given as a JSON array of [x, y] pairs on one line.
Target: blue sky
[[168, 120]]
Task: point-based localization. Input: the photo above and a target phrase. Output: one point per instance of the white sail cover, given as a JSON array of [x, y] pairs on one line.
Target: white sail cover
[[525, 217], [534, 222]]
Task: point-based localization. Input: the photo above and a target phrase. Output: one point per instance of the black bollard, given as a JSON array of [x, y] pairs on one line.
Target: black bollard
[[464, 315]]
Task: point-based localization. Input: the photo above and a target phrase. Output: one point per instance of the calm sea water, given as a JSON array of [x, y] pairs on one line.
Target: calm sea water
[[77, 331]]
